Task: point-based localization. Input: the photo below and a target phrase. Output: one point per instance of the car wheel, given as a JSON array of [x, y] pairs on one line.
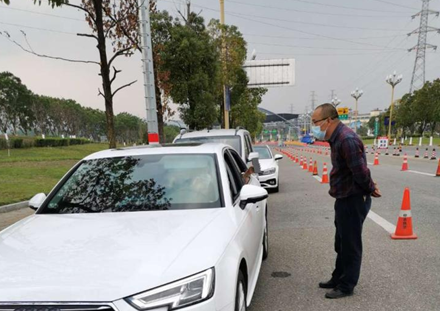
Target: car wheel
[[266, 240], [240, 295]]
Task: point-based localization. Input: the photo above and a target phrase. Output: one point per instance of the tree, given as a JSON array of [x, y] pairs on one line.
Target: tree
[[192, 61], [161, 25], [117, 23], [231, 47], [15, 101]]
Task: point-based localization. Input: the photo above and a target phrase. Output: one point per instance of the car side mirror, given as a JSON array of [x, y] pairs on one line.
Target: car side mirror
[[278, 157], [251, 194], [254, 159], [36, 201]]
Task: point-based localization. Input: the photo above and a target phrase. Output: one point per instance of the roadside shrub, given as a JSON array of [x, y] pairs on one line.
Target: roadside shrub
[[16, 143], [51, 142]]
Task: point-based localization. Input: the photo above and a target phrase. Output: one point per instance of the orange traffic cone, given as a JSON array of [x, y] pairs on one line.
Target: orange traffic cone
[[293, 157], [438, 169], [315, 169], [376, 159], [404, 223], [301, 161], [305, 164], [324, 179], [311, 166], [296, 158], [405, 163]]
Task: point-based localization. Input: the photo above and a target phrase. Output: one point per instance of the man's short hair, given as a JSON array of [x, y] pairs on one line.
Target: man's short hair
[[328, 111]]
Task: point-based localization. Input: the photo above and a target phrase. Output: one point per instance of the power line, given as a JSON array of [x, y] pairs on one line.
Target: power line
[[313, 24], [39, 13], [308, 38], [315, 3], [326, 48], [395, 4], [40, 29], [323, 54], [301, 31]]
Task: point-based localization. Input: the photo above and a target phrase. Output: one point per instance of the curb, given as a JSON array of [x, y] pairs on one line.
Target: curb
[[13, 207]]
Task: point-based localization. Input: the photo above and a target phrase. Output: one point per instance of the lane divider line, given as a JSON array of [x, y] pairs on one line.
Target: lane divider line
[[385, 224], [421, 173]]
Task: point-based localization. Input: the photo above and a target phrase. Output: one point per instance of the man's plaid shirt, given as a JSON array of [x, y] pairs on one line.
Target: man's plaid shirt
[[350, 174]]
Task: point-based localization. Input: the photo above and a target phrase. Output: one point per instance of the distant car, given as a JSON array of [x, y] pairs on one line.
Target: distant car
[[145, 228], [239, 139], [269, 174]]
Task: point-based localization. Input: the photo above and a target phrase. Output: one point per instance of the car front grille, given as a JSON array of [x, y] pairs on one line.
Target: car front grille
[[55, 307]]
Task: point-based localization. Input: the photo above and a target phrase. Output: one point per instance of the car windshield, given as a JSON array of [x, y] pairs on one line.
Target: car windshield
[[233, 141], [263, 152], [139, 183]]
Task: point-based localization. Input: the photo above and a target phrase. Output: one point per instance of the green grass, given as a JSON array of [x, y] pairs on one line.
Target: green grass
[[30, 171]]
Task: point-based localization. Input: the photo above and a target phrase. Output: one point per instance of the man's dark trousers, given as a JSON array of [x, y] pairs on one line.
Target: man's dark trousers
[[350, 214]]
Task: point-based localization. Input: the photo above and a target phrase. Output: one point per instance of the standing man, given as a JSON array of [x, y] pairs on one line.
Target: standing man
[[352, 187]]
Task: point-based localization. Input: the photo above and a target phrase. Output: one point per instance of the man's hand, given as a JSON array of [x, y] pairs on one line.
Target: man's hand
[[376, 193]]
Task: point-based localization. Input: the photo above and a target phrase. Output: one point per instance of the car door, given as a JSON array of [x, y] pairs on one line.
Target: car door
[[252, 216]]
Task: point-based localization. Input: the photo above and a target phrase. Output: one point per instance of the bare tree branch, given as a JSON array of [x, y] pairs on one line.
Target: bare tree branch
[[114, 74], [31, 51], [119, 53], [124, 31], [100, 93], [82, 9], [124, 86], [87, 35]]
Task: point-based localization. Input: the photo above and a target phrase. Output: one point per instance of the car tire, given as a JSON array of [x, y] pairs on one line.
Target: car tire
[[240, 293], [266, 239], [276, 189]]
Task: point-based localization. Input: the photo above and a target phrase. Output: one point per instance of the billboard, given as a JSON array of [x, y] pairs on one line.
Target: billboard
[[270, 72]]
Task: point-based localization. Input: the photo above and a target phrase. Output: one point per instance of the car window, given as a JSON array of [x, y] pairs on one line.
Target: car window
[[139, 183], [247, 147], [239, 161], [263, 152], [234, 175], [249, 141], [233, 141]]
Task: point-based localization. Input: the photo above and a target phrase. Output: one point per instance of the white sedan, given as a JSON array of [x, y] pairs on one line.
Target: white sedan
[[269, 173], [145, 228]]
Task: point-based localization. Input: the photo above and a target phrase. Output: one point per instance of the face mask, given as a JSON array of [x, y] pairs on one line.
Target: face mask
[[317, 133]]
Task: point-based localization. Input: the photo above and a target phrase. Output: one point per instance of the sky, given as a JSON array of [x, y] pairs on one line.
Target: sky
[[338, 46]]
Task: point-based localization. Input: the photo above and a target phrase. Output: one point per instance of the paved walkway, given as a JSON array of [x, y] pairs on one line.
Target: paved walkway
[[7, 219]]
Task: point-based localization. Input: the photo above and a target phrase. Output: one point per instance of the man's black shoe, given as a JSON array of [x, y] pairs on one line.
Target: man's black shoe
[[328, 284], [337, 293]]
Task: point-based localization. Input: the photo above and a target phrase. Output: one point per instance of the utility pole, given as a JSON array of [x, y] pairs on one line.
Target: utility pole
[[418, 76], [148, 70], [313, 100], [291, 108], [226, 100]]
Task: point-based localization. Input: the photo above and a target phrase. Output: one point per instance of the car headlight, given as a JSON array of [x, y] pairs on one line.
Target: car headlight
[[268, 171], [188, 291]]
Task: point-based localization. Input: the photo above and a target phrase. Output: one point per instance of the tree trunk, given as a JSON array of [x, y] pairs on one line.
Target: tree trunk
[[105, 74], [159, 108]]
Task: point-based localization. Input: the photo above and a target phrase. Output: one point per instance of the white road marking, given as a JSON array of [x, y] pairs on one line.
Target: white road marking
[[317, 178], [370, 163], [389, 227], [421, 173]]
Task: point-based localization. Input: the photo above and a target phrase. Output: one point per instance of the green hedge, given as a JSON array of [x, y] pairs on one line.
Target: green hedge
[[26, 142]]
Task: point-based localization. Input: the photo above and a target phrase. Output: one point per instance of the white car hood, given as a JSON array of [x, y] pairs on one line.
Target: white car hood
[[267, 163], [105, 257]]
